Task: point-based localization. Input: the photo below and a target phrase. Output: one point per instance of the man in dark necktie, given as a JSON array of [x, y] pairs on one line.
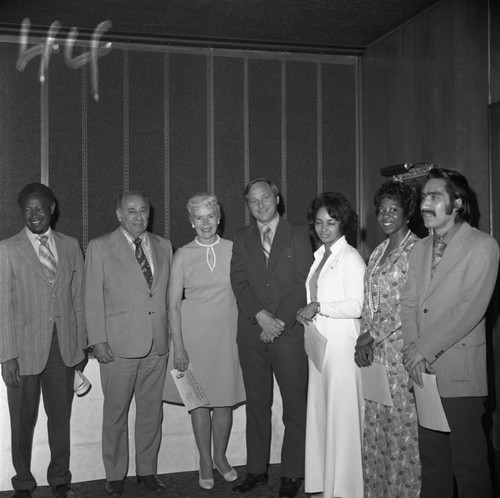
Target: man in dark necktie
[[269, 266], [451, 278], [42, 336], [126, 278]]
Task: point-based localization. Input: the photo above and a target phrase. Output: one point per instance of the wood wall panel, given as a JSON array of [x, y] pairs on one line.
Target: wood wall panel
[[425, 96], [19, 135]]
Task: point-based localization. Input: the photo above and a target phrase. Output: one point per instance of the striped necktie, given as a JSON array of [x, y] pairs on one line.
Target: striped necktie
[[46, 258], [266, 243]]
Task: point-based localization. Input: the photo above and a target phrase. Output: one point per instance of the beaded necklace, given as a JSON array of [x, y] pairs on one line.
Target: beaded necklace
[[374, 290]]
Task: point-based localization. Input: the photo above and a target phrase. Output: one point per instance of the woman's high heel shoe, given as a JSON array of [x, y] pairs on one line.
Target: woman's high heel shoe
[[205, 483], [230, 476]]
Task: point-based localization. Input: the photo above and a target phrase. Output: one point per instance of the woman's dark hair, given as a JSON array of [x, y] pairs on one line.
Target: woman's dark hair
[[337, 207], [399, 192]]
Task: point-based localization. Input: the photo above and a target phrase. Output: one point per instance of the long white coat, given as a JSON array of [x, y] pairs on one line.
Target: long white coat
[[335, 401]]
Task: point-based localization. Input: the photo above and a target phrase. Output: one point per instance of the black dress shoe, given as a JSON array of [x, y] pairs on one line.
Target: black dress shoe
[[22, 493], [289, 487], [151, 482], [114, 488], [250, 481]]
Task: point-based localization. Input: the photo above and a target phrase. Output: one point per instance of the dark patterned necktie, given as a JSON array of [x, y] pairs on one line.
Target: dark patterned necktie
[[438, 247], [143, 262], [266, 243], [46, 258]]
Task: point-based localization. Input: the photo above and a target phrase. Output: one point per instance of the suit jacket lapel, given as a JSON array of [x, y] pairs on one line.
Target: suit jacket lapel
[[62, 254], [451, 258], [125, 253], [128, 259], [254, 248], [27, 252], [279, 243], [423, 266], [157, 260]]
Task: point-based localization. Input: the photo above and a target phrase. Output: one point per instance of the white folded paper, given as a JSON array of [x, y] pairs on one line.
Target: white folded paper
[[190, 388], [376, 384], [315, 345], [429, 406], [81, 384]]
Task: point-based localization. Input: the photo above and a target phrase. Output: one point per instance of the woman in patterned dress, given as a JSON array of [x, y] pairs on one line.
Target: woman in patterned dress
[[391, 463]]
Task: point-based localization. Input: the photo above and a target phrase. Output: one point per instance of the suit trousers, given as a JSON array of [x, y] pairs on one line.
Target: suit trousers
[[288, 362], [460, 455], [122, 379], [55, 383]]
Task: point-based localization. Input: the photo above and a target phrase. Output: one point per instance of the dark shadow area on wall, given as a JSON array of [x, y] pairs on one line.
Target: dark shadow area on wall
[[416, 222], [222, 221], [55, 215], [475, 215], [151, 223]]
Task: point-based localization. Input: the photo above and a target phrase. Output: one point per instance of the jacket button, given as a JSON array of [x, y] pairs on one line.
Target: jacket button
[[150, 312], [425, 310]]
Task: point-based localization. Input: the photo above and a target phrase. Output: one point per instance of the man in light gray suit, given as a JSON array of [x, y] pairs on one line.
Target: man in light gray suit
[[42, 336], [451, 278], [126, 277]]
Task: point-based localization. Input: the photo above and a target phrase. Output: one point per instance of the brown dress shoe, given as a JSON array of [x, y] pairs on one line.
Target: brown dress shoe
[[151, 482], [250, 481]]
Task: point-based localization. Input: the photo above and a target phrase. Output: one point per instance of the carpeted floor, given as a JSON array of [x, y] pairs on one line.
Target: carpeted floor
[[185, 485], [180, 485]]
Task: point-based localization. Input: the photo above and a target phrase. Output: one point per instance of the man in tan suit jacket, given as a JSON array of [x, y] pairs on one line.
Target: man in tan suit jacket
[[451, 278], [42, 336], [126, 277]]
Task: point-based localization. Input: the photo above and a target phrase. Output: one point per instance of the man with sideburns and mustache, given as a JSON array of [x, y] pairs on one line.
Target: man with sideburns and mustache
[[451, 277]]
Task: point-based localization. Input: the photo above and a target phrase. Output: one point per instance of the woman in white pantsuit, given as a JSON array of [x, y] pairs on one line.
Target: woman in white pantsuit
[[334, 407]]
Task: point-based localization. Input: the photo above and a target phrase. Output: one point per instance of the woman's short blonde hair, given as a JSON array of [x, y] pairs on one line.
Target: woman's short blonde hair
[[198, 201]]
